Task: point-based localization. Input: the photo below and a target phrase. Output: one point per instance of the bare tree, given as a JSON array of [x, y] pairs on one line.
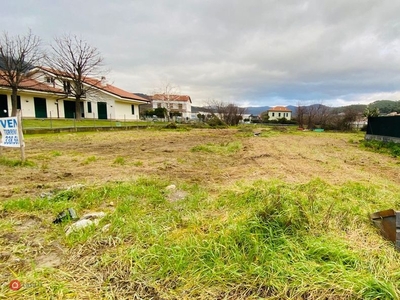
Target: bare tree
[[167, 95], [264, 117], [75, 64], [300, 114], [313, 115], [350, 116], [18, 55], [229, 113]]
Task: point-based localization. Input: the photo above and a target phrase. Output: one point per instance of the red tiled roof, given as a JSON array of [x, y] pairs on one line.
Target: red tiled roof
[[32, 84], [163, 97], [98, 84], [280, 109], [114, 90]]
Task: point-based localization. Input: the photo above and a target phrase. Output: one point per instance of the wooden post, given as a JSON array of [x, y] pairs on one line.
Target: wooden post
[[20, 135]]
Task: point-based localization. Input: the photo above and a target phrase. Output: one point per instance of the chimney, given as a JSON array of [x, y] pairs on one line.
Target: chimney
[[103, 81]]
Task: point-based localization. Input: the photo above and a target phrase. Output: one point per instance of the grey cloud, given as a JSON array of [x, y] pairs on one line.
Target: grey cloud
[[252, 51]]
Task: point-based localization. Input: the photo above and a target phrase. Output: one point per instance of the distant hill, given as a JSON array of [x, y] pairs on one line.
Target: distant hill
[[257, 110], [384, 106], [249, 110]]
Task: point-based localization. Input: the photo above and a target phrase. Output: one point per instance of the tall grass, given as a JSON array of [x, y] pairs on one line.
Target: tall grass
[[390, 148], [222, 148], [249, 240]]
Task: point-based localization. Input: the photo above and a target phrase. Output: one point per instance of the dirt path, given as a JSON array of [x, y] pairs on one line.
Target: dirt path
[[92, 158]]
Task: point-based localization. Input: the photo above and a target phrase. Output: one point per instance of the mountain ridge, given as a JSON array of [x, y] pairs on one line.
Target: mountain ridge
[[384, 106]]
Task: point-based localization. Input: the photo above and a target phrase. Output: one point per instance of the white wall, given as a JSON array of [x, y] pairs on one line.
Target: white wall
[[275, 115], [28, 104], [116, 109], [186, 107]]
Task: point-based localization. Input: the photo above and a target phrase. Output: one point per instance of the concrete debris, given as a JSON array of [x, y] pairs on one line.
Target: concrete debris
[[46, 194], [106, 228], [75, 187], [170, 187], [86, 220], [174, 194], [94, 215]]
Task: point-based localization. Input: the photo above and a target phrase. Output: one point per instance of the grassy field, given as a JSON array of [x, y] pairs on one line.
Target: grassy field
[[199, 214]]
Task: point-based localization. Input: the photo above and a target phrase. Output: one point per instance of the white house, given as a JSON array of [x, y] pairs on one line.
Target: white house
[[279, 112], [41, 95], [173, 103]]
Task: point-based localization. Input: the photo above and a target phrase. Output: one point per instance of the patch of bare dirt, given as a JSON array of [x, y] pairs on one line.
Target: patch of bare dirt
[[66, 159]]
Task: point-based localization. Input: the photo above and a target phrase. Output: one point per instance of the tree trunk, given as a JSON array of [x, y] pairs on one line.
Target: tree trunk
[[14, 102], [78, 114]]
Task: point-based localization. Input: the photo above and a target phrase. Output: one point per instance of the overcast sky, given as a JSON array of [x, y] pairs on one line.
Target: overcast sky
[[248, 52]]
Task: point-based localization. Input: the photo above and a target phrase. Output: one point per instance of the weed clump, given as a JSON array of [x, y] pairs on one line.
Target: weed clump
[[171, 125], [223, 148], [390, 148], [15, 162]]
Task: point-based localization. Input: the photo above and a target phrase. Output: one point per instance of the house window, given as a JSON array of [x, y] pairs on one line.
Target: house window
[[133, 109], [279, 114], [158, 105], [67, 86], [89, 107], [273, 114], [49, 79], [171, 105], [180, 106]]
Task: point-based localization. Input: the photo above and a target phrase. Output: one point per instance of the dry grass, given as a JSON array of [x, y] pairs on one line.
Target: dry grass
[[90, 266], [90, 158]]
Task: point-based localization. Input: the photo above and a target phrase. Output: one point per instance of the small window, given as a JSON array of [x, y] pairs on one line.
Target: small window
[[133, 109], [89, 107], [279, 114], [49, 79], [273, 114], [158, 105], [67, 87], [180, 106]]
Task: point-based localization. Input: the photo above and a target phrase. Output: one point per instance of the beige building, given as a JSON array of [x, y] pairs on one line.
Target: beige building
[[174, 103], [279, 112]]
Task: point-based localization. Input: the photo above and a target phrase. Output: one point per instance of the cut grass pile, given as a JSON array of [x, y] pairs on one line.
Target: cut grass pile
[[248, 240]]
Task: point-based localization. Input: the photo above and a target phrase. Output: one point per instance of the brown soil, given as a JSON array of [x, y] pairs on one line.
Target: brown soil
[[92, 158]]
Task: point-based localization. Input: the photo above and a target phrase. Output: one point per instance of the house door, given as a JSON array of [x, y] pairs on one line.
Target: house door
[[40, 107], [102, 110], [69, 109], [3, 106]]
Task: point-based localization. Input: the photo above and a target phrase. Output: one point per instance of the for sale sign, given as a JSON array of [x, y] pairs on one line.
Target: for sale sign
[[10, 134]]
